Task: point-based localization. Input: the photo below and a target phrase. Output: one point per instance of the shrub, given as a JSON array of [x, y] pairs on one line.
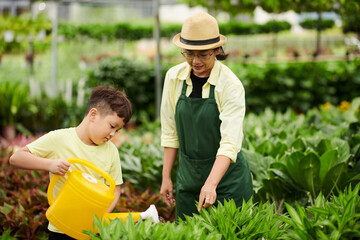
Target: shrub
[[300, 86], [138, 81], [129, 31], [313, 24]]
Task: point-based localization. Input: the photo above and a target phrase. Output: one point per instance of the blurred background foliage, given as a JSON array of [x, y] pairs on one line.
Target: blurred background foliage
[[299, 86]]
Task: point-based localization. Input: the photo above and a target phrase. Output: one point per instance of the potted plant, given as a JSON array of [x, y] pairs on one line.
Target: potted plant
[[15, 97]]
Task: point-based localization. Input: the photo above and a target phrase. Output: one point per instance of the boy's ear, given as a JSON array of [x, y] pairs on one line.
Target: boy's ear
[[92, 113]]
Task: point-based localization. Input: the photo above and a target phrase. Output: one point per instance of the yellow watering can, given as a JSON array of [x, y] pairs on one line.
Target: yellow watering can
[[82, 196]]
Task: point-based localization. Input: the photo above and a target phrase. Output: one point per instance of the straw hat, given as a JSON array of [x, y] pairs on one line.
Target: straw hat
[[199, 32]]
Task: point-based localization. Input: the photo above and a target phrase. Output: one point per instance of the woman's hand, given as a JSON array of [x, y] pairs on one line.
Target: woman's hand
[[166, 192], [207, 196]]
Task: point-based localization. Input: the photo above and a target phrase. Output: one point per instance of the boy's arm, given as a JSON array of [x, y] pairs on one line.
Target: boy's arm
[[117, 197], [23, 158]]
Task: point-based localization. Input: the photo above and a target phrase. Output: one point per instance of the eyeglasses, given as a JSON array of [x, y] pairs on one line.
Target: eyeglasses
[[201, 56]]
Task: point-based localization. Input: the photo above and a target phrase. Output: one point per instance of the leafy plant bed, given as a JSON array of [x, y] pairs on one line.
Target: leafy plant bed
[[338, 218], [296, 157], [23, 202]]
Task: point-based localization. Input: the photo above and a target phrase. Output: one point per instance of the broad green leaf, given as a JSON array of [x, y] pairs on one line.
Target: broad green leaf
[[335, 178], [257, 163], [309, 168], [343, 149], [280, 170], [350, 115], [292, 164], [313, 130], [323, 146], [275, 188], [298, 144], [327, 161], [265, 147], [282, 135], [354, 178], [278, 150], [6, 209]]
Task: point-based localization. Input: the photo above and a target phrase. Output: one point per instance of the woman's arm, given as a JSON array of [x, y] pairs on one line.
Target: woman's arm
[[208, 191], [166, 190], [23, 158]]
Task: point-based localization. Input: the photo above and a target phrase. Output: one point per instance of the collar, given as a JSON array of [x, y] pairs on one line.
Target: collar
[[213, 78]]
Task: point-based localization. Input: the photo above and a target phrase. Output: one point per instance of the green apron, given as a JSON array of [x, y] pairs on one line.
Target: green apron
[[198, 128]]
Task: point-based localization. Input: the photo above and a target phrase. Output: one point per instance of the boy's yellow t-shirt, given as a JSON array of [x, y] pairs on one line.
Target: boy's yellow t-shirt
[[65, 143]]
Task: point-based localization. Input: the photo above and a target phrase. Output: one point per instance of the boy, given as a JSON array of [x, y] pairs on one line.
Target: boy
[[107, 112]]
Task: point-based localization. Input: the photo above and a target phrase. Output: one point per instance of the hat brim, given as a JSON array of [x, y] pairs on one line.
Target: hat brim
[[176, 41]]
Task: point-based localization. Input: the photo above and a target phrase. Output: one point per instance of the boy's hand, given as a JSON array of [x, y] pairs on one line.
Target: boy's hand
[[59, 166]]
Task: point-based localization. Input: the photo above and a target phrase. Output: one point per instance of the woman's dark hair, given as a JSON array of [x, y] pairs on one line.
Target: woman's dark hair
[[222, 55]]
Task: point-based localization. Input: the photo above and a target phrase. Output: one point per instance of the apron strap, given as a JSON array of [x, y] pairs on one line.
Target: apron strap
[[212, 90], [183, 91]]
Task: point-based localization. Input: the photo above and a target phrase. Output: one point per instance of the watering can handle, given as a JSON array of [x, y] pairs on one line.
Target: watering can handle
[[85, 163]]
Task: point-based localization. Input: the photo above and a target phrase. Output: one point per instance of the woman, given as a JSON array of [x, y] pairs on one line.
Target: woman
[[202, 112]]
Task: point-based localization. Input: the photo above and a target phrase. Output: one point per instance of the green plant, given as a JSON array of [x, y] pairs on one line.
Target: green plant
[[251, 221], [338, 218], [148, 230], [221, 222], [6, 235], [299, 86], [274, 26], [135, 78], [313, 24], [295, 157], [135, 31], [16, 97], [23, 202], [141, 158], [26, 28]]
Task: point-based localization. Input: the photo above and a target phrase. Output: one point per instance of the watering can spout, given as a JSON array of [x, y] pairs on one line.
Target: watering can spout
[[150, 213]]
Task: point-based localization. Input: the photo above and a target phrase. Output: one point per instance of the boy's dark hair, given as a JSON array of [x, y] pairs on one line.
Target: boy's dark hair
[[108, 99]]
